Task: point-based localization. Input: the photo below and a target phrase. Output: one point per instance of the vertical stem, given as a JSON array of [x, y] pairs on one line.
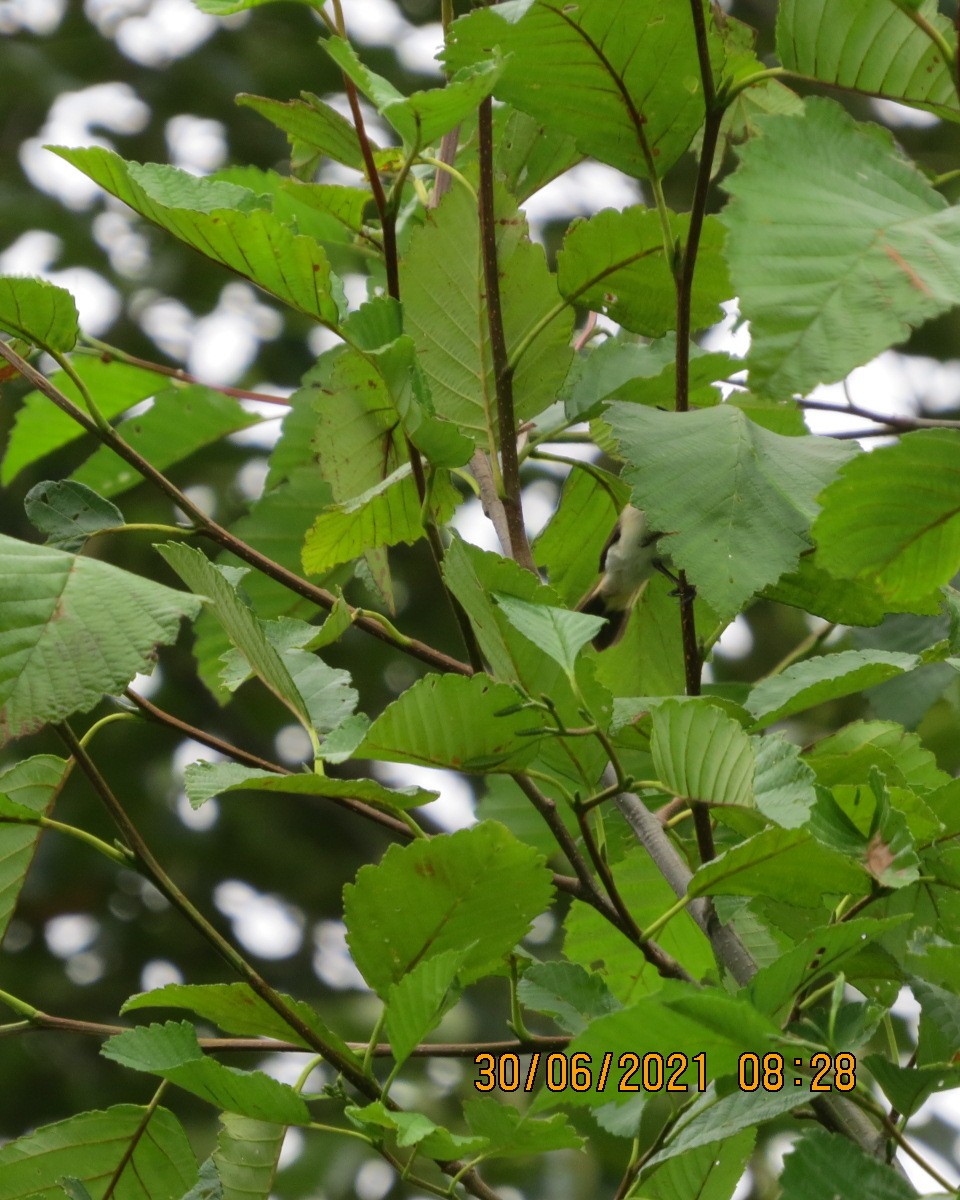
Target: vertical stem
[[502, 371], [684, 268]]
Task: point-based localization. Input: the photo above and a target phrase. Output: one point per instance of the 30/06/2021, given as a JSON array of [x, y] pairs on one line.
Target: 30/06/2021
[[654, 1072]]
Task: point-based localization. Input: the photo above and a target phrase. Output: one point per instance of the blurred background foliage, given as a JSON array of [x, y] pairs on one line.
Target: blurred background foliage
[[156, 80]]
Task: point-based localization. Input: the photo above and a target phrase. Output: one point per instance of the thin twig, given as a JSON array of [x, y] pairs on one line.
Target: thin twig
[[902, 424], [108, 354], [222, 537]]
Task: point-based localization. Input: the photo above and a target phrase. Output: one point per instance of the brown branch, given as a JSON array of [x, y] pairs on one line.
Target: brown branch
[[108, 354], [502, 371], [222, 537], [901, 424], [358, 807]]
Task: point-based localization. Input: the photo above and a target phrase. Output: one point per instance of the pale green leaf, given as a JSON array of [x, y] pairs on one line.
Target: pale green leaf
[[418, 1002], [528, 155], [615, 262], [30, 784], [39, 312], [559, 633], [784, 863], [783, 785], [171, 1051], [567, 992], [345, 204], [709, 1119], [180, 421], [246, 1156], [892, 518], [255, 244], [622, 79], [444, 305], [74, 628], [475, 891], [69, 513], [203, 780], [40, 428], [512, 1134], [311, 122], [90, 1147], [414, 1129], [452, 721], [747, 520], [422, 117], [238, 621], [830, 1164], [824, 678], [833, 266], [385, 515], [868, 47], [701, 754]]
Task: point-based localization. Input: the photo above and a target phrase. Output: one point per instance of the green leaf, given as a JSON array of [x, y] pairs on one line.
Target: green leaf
[[566, 992], [414, 1129], [73, 629], [870, 48], [32, 784], [40, 428], [709, 1119], [69, 513], [422, 117], [312, 122], [590, 939], [677, 1016], [39, 312], [417, 1003], [783, 784], [903, 549], [908, 1087], [444, 305], [246, 1156], [827, 677], [90, 1146], [254, 244], [784, 863], [702, 754], [571, 545], [558, 632], [74, 1189], [823, 1163], [616, 78], [615, 262], [172, 1052], [512, 1134], [709, 1172], [203, 780], [848, 756], [865, 248], [452, 721], [235, 1008], [180, 421], [476, 891], [385, 515], [208, 1186], [238, 620], [748, 518], [528, 155], [816, 957]]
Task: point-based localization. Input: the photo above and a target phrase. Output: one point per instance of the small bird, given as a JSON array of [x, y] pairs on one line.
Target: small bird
[[628, 561]]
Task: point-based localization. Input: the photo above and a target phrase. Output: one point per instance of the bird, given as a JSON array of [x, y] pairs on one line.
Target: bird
[[627, 562]]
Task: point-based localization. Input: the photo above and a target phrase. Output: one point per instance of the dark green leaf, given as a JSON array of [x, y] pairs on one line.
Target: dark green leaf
[[39, 312], [822, 1163]]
